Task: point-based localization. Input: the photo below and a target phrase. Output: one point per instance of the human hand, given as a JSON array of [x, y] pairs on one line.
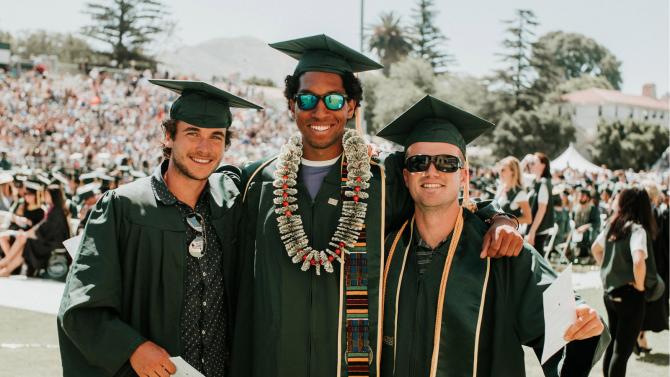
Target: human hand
[[149, 359], [501, 240], [530, 238], [587, 325]]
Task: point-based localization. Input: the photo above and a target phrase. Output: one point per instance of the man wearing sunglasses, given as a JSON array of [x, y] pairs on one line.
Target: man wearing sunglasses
[[155, 273], [447, 311], [316, 217]]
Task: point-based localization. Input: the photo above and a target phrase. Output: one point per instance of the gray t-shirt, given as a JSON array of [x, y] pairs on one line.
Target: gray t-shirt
[[312, 174]]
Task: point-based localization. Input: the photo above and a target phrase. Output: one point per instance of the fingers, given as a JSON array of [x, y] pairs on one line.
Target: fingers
[[588, 324], [505, 249], [170, 367], [485, 245], [497, 239]]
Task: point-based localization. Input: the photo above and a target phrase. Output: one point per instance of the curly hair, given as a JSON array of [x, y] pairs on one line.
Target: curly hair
[[352, 86], [170, 128]]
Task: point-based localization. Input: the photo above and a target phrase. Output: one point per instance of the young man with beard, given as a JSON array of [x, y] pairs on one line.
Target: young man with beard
[[316, 218], [448, 312], [155, 274]]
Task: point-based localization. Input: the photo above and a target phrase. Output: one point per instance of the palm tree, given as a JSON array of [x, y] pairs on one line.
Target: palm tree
[[388, 40]]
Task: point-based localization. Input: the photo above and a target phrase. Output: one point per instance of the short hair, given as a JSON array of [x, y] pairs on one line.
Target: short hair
[[352, 86], [170, 128]]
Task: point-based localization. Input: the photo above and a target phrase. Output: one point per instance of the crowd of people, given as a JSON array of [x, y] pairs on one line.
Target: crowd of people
[[64, 141]]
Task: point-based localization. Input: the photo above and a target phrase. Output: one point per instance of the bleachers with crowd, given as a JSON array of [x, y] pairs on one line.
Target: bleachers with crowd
[[88, 133]]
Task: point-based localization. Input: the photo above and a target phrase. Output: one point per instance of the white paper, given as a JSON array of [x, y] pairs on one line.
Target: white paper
[[72, 245], [559, 313], [184, 369]]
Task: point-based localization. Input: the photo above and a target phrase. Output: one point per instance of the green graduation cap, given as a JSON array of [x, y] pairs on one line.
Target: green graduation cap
[[202, 104], [322, 53], [433, 120]]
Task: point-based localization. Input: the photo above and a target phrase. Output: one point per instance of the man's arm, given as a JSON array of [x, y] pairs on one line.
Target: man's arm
[[530, 276], [89, 312]]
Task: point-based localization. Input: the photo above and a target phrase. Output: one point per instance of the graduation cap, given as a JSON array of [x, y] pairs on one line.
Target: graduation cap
[[88, 177], [86, 191], [6, 178], [60, 177], [201, 104], [321, 53], [433, 120], [43, 179], [33, 186]]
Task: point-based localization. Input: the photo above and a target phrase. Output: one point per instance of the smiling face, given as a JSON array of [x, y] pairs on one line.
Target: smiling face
[[322, 129], [433, 189], [196, 152]]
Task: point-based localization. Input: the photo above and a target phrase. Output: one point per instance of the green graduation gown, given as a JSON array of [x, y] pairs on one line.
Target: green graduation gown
[[126, 282], [491, 308], [298, 321]]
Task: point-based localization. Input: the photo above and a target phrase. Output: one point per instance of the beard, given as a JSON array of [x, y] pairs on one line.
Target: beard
[[183, 170]]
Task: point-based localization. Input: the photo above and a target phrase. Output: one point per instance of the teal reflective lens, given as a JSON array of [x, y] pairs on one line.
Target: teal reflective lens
[[308, 101]]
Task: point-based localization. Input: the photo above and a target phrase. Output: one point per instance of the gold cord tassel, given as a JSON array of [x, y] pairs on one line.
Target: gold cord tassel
[[458, 229]]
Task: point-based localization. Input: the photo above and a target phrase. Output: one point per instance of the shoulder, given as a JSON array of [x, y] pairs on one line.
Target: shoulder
[[264, 168], [637, 230], [139, 190]]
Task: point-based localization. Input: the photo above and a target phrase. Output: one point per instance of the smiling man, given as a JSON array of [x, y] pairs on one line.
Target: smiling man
[[448, 312], [155, 274], [316, 218]]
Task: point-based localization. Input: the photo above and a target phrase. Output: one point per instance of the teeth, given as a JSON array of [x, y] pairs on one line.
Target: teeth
[[320, 128], [431, 185], [200, 161]]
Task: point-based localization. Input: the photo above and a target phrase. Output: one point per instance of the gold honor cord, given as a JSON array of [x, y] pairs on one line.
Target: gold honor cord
[[458, 229]]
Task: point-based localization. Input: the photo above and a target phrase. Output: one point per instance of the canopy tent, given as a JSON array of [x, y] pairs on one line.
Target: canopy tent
[[571, 158]]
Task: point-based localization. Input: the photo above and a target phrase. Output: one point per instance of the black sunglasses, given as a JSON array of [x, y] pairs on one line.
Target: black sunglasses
[[308, 101], [443, 162], [197, 247]]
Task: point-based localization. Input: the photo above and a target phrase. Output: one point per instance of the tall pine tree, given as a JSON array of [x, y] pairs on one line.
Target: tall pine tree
[[427, 38], [516, 77], [126, 26]]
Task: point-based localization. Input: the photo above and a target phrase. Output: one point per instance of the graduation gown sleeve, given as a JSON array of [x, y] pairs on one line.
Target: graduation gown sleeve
[[91, 304]]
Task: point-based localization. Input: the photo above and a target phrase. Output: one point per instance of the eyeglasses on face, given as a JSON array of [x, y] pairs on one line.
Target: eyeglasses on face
[[445, 163], [308, 101]]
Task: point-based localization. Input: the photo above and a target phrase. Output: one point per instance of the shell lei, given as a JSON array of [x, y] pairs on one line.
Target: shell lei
[[351, 219]]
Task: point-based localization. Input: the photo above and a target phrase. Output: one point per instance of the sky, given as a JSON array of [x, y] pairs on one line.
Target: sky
[[636, 32]]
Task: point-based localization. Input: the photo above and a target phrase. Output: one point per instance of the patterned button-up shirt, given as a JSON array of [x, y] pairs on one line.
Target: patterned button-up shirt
[[203, 319]]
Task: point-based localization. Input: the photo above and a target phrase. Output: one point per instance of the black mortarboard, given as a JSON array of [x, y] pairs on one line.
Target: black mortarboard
[[321, 53], [201, 104], [433, 120]]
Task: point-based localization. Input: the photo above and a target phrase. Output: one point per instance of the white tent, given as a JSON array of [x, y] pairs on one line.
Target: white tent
[[571, 158]]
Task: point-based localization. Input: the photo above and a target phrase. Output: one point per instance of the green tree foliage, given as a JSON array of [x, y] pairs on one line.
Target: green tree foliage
[[427, 38], [629, 144], [387, 97], [558, 56], [528, 131], [517, 76], [127, 27], [470, 94], [388, 40]]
